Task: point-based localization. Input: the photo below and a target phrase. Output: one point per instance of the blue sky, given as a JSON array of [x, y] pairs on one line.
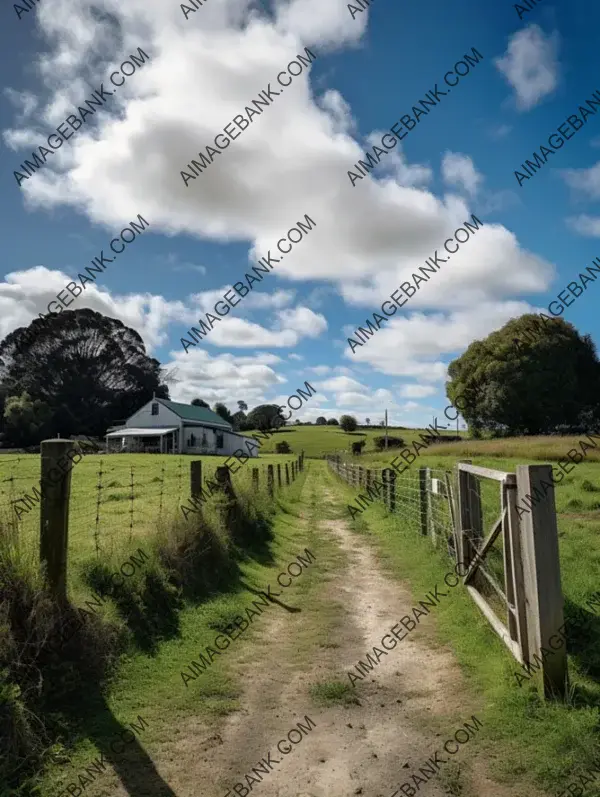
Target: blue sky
[[293, 160]]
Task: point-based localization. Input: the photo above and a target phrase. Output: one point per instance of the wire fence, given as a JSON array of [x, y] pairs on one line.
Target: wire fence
[[113, 499]]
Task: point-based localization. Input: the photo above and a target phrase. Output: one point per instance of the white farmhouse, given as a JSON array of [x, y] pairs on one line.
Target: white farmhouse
[[168, 427]]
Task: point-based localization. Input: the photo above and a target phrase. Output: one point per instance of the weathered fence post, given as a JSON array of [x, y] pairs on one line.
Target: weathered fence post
[[368, 480], [385, 491], [255, 480], [423, 499], [228, 507], [279, 475], [270, 480], [54, 514], [430, 515], [196, 478], [287, 474], [541, 571], [360, 476], [392, 489]]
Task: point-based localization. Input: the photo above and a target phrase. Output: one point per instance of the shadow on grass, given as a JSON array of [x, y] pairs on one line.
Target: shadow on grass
[[65, 679], [583, 645]]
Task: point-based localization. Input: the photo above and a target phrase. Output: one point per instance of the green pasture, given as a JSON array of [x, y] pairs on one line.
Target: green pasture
[[549, 742], [117, 501], [316, 441]]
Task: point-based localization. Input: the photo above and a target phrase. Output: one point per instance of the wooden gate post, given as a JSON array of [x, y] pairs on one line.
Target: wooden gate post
[[287, 474], [470, 515], [541, 571], [423, 500], [361, 476], [368, 479], [196, 478], [55, 483], [279, 475], [270, 480], [255, 480]]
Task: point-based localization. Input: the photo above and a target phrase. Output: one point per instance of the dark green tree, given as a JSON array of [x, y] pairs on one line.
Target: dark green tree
[[321, 420], [533, 376], [239, 421], [348, 423], [243, 407], [198, 402], [89, 369], [265, 416], [333, 422], [26, 421], [222, 410]]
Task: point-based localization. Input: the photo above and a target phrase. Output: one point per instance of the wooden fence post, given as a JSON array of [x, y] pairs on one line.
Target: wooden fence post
[[541, 571], [255, 480], [430, 515], [228, 508], [279, 475], [287, 474], [423, 499], [196, 478], [392, 489], [54, 514], [270, 480]]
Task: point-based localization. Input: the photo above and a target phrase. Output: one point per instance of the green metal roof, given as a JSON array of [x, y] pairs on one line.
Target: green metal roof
[[190, 412]]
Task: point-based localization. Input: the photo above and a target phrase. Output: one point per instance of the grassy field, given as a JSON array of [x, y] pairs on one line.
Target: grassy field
[[117, 501], [549, 742], [316, 441]]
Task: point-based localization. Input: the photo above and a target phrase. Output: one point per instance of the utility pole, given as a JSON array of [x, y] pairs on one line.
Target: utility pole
[[386, 430]]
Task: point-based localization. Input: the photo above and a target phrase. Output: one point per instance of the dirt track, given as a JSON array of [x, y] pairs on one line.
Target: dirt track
[[368, 748]]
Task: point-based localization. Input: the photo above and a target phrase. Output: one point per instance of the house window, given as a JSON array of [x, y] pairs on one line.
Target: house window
[[219, 439], [192, 440], [155, 408]]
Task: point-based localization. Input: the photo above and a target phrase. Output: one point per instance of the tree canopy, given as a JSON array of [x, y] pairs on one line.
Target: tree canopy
[[348, 423], [223, 412], [265, 416], [198, 402], [87, 369], [536, 375]]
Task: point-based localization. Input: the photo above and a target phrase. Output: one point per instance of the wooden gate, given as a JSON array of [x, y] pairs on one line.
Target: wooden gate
[[524, 605]]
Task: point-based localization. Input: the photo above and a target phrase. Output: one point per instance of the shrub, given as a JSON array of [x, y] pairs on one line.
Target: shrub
[[393, 442], [448, 438], [283, 448]]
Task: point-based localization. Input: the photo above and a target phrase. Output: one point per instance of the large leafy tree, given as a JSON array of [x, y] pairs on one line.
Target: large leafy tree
[[265, 416], [348, 423], [532, 376], [26, 421], [222, 410], [90, 370], [198, 402]]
